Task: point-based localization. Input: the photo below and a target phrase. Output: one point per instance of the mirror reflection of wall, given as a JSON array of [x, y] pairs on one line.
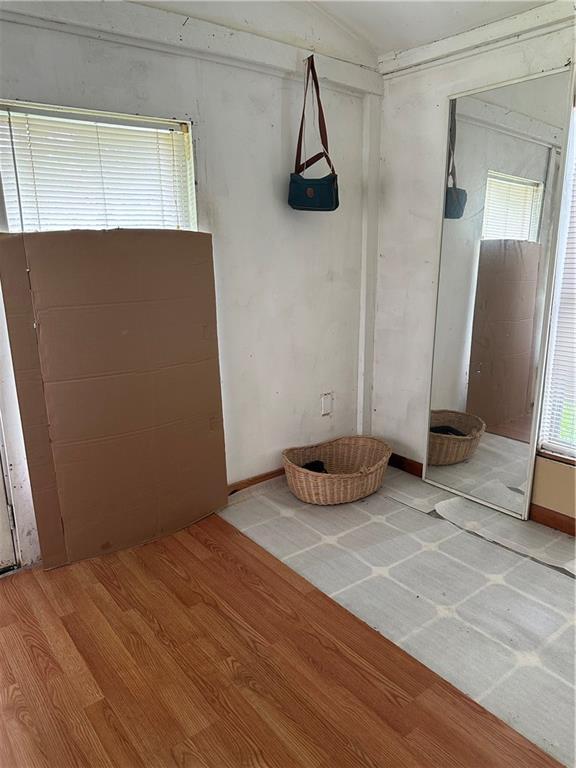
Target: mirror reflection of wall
[[493, 276]]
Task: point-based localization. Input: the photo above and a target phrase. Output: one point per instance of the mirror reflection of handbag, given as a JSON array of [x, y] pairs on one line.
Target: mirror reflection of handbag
[[306, 194], [455, 201]]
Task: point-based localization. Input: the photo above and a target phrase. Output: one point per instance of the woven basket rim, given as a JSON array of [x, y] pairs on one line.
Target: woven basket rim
[[331, 476], [459, 438]]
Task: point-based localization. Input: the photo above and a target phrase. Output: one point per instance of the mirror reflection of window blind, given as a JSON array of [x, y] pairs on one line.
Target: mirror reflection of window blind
[[558, 423], [67, 173], [512, 208]]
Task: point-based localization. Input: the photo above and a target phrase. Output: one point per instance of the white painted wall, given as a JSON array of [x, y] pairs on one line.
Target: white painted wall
[[414, 130], [288, 283]]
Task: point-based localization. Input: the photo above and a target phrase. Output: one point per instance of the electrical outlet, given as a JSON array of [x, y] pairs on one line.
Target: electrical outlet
[[326, 403]]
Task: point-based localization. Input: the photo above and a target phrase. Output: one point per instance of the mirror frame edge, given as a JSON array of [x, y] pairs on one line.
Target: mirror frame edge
[[569, 67]]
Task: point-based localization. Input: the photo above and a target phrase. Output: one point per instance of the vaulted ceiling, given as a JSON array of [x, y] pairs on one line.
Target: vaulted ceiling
[[354, 30], [394, 25]]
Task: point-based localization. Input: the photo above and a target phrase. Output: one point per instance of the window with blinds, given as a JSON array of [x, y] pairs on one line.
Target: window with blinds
[[558, 422], [93, 171], [512, 208]]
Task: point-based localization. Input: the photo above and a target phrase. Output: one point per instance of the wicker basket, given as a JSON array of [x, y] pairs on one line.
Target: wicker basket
[[451, 449], [355, 469]]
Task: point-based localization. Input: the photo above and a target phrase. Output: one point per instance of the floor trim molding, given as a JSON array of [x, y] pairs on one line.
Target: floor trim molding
[[406, 465], [249, 481], [553, 519]]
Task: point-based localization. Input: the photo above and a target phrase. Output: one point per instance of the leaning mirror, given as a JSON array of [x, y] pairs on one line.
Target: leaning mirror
[[500, 219]]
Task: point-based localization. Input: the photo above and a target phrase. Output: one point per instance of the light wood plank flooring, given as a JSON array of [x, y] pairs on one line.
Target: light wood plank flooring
[[202, 651]]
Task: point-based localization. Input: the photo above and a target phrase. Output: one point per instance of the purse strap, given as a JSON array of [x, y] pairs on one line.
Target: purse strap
[[452, 145], [300, 166]]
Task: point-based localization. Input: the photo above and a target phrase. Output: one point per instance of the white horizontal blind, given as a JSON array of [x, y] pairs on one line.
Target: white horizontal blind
[[558, 423], [512, 208], [62, 173]]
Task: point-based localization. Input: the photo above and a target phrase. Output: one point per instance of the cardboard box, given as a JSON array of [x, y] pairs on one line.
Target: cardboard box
[[113, 338]]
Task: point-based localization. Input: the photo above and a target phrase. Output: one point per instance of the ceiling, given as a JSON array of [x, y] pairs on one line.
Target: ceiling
[[394, 25], [354, 30]]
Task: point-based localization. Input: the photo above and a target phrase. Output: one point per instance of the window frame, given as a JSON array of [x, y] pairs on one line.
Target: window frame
[[121, 119], [551, 450], [539, 189]]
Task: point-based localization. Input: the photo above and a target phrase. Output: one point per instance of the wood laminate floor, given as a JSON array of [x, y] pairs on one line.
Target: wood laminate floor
[[201, 650]]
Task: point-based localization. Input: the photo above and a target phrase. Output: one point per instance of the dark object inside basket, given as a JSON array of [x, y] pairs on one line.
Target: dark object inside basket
[[446, 429], [315, 466]]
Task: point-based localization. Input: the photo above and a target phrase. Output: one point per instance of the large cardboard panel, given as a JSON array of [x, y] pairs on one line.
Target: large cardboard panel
[[173, 332], [88, 268], [129, 380], [169, 481], [119, 404], [501, 367]]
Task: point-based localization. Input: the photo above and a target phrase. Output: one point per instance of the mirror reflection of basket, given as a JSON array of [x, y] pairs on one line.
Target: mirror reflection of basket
[[452, 449], [355, 468]]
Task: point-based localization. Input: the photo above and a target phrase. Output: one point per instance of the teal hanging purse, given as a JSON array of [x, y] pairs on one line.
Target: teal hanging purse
[[456, 198], [306, 194]]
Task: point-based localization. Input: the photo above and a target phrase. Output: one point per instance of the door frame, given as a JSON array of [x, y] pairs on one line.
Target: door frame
[[7, 489]]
